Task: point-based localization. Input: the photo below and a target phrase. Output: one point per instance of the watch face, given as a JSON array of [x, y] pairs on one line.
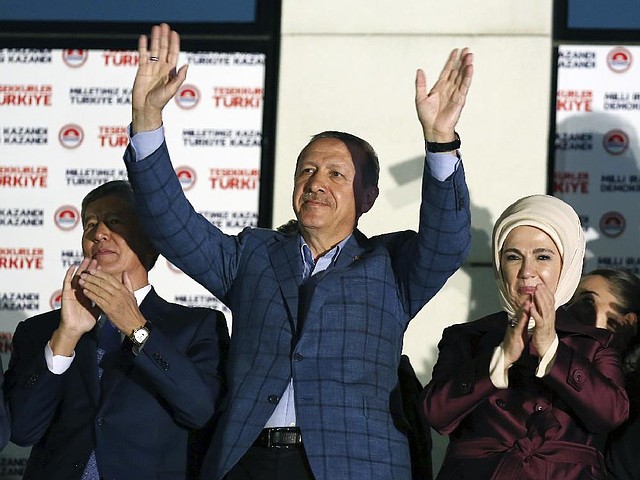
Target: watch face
[[141, 335]]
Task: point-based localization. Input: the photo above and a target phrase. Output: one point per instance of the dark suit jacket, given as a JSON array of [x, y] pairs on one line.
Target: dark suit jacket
[[538, 428], [412, 422], [140, 421], [5, 424], [622, 456], [344, 361], [621, 452]]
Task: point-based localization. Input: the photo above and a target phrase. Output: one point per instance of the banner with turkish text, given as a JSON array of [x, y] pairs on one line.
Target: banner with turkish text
[[63, 131]]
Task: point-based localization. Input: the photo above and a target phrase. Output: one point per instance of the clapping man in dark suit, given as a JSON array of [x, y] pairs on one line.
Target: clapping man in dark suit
[[111, 385], [318, 315]]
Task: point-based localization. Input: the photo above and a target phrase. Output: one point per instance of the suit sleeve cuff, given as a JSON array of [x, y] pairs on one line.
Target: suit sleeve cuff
[[442, 165], [145, 143], [548, 359], [57, 364], [499, 376]]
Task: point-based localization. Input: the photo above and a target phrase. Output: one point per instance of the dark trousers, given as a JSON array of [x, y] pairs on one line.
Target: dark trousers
[[262, 463]]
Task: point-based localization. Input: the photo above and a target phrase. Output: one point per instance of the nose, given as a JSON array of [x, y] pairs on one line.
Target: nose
[[526, 269], [315, 183], [102, 232]]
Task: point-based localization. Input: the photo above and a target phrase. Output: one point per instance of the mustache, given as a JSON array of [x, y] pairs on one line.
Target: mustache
[[314, 197]]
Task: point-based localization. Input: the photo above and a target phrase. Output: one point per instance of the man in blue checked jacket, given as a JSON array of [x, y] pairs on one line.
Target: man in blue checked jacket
[[318, 314]]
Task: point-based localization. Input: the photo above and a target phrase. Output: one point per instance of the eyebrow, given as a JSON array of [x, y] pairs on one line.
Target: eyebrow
[[118, 213], [543, 249], [537, 250], [328, 163], [587, 292]]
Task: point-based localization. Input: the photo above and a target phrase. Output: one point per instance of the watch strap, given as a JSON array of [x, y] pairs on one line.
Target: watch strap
[[435, 147]]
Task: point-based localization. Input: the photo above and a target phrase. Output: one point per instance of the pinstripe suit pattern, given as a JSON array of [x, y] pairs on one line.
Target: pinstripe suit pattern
[[344, 361]]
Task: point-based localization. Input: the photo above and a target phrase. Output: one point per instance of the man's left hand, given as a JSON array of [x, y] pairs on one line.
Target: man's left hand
[[114, 297], [439, 109]]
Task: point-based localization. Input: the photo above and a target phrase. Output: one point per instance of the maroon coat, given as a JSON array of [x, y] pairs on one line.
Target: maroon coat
[[538, 428]]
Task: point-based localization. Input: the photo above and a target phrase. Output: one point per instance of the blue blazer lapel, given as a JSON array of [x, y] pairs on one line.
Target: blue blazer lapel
[[152, 307], [286, 261], [353, 249]]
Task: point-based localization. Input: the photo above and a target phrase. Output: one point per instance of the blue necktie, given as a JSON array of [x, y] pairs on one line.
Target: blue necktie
[[108, 342], [91, 470]]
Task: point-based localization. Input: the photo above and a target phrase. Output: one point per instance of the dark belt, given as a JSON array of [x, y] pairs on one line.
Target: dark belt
[[279, 437]]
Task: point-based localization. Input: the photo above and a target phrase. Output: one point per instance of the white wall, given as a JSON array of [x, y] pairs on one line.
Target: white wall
[[350, 65]]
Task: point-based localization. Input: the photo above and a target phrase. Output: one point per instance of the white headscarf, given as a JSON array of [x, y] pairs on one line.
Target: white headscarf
[[558, 220]]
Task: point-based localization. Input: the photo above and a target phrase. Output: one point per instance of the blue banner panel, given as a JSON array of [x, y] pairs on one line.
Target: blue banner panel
[[190, 11], [600, 14]]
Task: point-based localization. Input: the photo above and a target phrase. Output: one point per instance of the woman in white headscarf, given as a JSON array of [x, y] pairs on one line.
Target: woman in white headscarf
[[522, 392]]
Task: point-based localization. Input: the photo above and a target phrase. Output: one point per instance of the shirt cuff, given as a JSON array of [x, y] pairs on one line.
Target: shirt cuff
[[499, 377], [57, 364], [442, 165], [548, 359], [145, 143]]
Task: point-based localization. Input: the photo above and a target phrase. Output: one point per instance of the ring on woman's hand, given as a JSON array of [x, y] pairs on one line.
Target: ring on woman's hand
[[153, 59], [513, 322]]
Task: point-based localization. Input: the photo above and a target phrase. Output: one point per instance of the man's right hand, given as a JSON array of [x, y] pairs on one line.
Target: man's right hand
[[157, 79], [77, 315]]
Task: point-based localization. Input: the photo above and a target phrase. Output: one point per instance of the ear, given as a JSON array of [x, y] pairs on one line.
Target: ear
[[630, 319], [369, 198]]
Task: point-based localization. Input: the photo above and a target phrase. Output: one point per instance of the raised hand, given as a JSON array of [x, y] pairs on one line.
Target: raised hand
[[157, 79], [439, 109]]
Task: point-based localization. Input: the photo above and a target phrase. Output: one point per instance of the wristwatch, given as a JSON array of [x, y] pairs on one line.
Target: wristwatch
[[435, 147], [139, 335]]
